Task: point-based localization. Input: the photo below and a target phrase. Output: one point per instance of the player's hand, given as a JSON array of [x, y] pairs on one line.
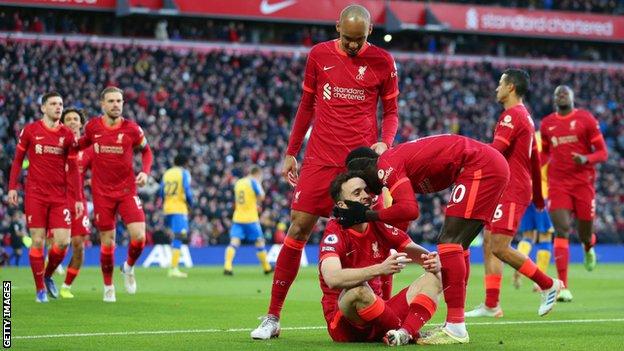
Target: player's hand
[[379, 147], [79, 209], [355, 213], [431, 262], [393, 264], [141, 179], [579, 159], [12, 197], [289, 170]]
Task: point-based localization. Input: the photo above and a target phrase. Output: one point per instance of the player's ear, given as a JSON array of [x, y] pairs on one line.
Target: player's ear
[[341, 204], [370, 29], [338, 27], [42, 108]]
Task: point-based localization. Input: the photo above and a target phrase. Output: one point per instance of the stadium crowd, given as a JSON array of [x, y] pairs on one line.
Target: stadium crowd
[[215, 30], [228, 111]]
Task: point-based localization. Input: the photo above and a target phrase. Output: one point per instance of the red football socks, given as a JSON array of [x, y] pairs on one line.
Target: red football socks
[[71, 275], [134, 251], [286, 269], [453, 280], [378, 315], [421, 309], [467, 263], [107, 262], [492, 289], [562, 258], [55, 257], [530, 270], [35, 256]]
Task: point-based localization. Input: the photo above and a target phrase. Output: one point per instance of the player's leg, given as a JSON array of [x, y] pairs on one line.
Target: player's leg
[[544, 249], [56, 255], [104, 210], [261, 252], [236, 236], [585, 208], [550, 287], [361, 306], [179, 227], [73, 268], [415, 308], [131, 211], [561, 219], [456, 234], [35, 256], [493, 277]]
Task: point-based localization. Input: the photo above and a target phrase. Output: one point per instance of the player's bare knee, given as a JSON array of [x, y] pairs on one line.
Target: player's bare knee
[[301, 225], [38, 242]]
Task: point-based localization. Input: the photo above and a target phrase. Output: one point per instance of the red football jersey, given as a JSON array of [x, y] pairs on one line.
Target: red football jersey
[[80, 165], [347, 90], [113, 152], [357, 250], [47, 151], [515, 129], [431, 163], [563, 135]]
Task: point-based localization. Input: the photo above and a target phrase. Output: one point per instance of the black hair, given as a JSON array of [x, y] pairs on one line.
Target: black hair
[[520, 79]]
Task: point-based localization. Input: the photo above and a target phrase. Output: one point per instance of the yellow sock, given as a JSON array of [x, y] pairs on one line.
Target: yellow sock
[[262, 257], [524, 247], [543, 260], [229, 257], [175, 258]]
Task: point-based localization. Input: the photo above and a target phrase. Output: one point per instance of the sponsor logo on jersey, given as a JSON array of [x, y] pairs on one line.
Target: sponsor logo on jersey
[[107, 149], [333, 92], [566, 139], [384, 174], [506, 122]]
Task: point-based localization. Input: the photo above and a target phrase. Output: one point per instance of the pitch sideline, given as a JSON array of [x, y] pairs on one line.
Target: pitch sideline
[[237, 330]]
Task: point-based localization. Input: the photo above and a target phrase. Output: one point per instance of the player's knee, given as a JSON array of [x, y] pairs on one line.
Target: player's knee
[[260, 244], [38, 242], [361, 295], [298, 232]]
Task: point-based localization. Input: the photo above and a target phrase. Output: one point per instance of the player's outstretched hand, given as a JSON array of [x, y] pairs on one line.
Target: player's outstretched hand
[[79, 209], [379, 147], [12, 197], [579, 159], [141, 179], [355, 213], [431, 262], [289, 170], [394, 263]]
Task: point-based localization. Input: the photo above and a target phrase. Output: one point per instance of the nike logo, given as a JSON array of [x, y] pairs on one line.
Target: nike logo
[[97, 135], [325, 68], [39, 137], [350, 252], [267, 9], [551, 128], [495, 220]]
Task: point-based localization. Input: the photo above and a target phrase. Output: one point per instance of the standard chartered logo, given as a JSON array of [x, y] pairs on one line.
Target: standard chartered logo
[[327, 91], [330, 92]]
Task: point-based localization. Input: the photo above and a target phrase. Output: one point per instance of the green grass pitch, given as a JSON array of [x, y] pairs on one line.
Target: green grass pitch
[[208, 311]]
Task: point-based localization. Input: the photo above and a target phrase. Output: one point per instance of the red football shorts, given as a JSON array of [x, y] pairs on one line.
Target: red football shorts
[[479, 187], [311, 195], [506, 218], [46, 214], [342, 330], [105, 209], [80, 226], [580, 199]]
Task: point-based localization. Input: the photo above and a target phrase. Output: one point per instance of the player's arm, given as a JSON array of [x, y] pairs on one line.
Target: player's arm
[[502, 136], [16, 166], [536, 178], [600, 153], [428, 260], [390, 102], [186, 184], [147, 158], [257, 189], [85, 140], [404, 207], [545, 153], [337, 277]]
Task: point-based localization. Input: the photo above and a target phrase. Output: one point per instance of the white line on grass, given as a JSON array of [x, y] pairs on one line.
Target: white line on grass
[[236, 330]]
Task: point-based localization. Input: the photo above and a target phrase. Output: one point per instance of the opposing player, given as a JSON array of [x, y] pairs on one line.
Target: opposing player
[[344, 81], [113, 184], [429, 165], [47, 144], [572, 145], [175, 190], [74, 119], [248, 195], [352, 261], [514, 137]]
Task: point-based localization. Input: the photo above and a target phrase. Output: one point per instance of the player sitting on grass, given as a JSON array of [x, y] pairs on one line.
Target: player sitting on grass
[[352, 261]]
